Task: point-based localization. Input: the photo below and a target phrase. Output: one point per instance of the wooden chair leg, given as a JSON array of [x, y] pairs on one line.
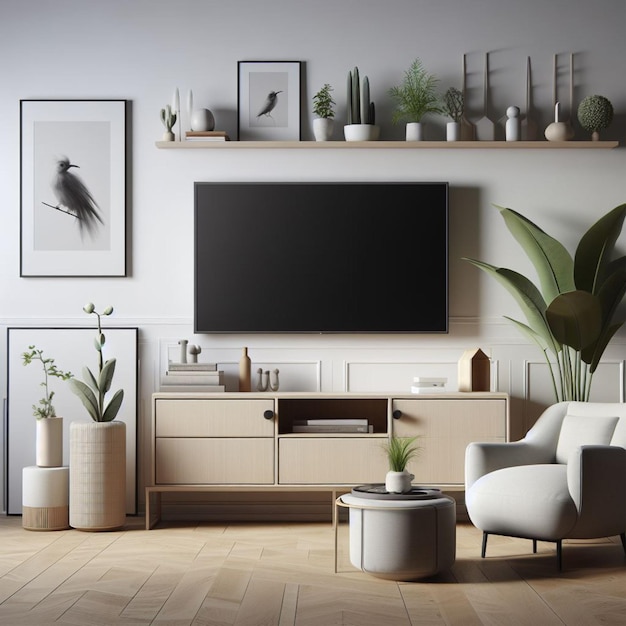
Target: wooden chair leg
[[534, 546], [484, 548]]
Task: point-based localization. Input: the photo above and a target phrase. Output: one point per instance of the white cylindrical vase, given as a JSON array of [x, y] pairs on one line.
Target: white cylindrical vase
[[414, 131], [453, 131], [97, 475], [49, 442]]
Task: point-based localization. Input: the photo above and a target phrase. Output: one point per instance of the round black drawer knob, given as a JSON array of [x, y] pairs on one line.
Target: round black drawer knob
[[269, 414], [397, 414]]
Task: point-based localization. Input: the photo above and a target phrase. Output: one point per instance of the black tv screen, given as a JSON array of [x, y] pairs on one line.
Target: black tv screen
[[321, 257]]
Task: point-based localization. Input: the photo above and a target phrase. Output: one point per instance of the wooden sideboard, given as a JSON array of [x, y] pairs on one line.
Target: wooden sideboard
[[246, 441]]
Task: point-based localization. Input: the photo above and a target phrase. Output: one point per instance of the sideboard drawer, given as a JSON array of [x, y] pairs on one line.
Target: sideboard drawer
[[213, 418], [214, 461], [327, 461]]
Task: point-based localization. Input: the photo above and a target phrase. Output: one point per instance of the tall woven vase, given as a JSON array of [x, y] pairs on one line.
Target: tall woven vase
[[97, 475]]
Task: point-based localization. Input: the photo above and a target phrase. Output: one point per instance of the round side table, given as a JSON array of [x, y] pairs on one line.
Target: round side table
[[400, 536], [45, 498]]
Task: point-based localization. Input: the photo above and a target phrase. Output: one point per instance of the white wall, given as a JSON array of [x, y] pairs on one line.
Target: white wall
[[141, 50]]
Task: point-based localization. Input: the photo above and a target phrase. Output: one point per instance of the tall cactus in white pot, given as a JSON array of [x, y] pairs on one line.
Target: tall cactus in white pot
[[98, 447], [360, 110]]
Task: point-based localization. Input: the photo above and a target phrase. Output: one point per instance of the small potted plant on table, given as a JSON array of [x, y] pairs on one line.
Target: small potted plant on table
[[400, 450]]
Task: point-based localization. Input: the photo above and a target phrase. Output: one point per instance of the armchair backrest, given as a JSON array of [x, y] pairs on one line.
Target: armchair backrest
[[566, 425]]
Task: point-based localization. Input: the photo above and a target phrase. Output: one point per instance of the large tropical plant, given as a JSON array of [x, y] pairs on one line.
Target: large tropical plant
[[93, 391], [572, 315]]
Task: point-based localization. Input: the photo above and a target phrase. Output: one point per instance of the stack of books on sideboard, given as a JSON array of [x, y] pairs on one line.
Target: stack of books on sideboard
[[332, 426], [193, 377]]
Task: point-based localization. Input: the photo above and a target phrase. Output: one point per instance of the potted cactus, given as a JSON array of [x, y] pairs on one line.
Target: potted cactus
[[168, 117], [323, 107], [360, 111], [595, 113]]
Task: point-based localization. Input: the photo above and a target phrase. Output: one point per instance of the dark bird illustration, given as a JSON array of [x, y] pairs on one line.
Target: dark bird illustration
[[270, 103], [72, 193]]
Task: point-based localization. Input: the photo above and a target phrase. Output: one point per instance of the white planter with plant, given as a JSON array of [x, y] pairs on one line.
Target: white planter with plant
[[400, 450], [49, 432], [360, 111], [574, 312], [453, 106], [414, 98], [98, 448], [323, 107]]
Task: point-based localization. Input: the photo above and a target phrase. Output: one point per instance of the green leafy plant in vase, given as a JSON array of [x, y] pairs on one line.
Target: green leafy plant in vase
[[414, 98], [573, 314], [49, 428], [93, 391], [400, 450], [323, 107]]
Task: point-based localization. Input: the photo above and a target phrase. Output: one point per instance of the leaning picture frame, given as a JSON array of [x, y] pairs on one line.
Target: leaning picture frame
[[269, 100], [73, 187]]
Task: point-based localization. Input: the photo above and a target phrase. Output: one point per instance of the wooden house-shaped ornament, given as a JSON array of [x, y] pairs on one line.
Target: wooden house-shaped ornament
[[474, 371]]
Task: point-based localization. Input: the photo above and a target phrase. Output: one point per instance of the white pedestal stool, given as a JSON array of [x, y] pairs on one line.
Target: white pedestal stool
[[45, 498]]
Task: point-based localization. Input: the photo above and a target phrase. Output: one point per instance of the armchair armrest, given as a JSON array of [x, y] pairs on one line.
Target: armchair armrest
[[596, 479], [483, 458]]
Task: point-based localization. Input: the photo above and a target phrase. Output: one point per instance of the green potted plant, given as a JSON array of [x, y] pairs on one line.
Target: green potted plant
[[49, 434], [400, 450], [595, 113], [453, 106], [360, 110], [168, 117], [414, 98], [98, 447], [572, 315], [323, 107]]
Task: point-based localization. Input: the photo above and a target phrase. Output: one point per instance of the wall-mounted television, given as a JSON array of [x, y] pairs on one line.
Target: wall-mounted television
[[327, 257]]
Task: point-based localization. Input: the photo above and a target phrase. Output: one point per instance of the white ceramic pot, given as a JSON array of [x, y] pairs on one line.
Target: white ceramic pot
[[97, 475], [202, 119], [453, 131], [49, 442], [323, 128], [361, 132], [398, 482], [414, 131], [168, 136]]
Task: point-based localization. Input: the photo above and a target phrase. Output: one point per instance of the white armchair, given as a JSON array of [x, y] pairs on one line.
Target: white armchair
[[566, 479]]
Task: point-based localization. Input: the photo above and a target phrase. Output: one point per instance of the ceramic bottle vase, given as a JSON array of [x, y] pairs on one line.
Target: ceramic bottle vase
[[245, 367]]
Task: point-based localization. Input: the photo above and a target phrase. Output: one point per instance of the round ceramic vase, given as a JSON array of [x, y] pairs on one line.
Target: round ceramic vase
[[202, 120], [322, 128], [398, 482]]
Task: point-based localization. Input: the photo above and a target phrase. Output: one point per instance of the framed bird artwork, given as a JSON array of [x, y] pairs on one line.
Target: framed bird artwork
[[268, 100], [73, 187]]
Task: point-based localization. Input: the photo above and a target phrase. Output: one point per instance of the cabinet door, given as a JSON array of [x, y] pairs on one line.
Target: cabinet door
[[214, 461], [445, 428], [331, 461], [191, 417]]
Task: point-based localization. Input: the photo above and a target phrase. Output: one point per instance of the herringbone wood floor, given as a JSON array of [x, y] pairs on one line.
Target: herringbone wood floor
[[283, 574]]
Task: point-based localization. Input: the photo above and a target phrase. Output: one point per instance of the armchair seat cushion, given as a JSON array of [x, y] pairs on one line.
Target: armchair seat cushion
[[530, 501]]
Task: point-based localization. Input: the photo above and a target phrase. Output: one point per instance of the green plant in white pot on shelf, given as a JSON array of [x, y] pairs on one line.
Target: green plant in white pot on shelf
[[453, 106], [323, 107], [49, 434], [414, 98], [573, 314], [400, 450], [98, 447]]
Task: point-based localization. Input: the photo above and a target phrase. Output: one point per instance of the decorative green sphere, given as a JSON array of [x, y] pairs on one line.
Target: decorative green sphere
[[595, 113]]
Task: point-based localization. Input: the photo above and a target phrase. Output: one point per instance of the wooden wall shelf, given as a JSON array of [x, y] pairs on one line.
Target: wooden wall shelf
[[405, 145]]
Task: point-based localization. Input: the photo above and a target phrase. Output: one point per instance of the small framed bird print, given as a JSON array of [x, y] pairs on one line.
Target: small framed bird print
[[73, 187], [269, 101]]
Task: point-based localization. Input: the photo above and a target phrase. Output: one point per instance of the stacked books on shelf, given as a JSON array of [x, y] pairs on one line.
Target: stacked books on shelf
[[207, 135], [332, 426], [193, 377], [423, 384]]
